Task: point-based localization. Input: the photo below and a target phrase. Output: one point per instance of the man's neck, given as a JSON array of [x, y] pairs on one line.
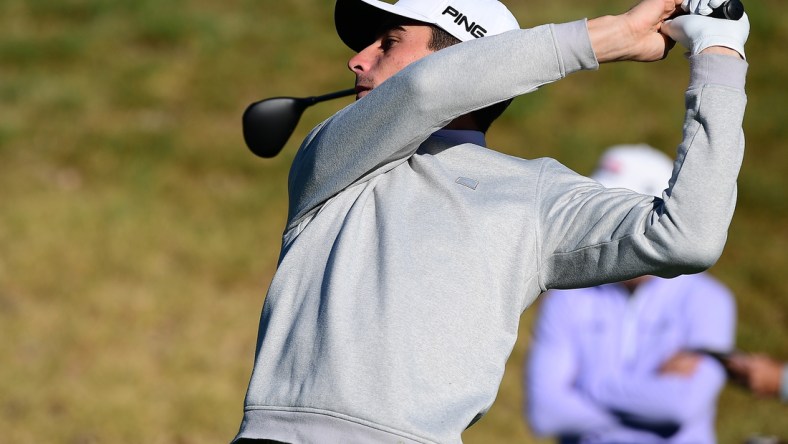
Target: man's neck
[[464, 122]]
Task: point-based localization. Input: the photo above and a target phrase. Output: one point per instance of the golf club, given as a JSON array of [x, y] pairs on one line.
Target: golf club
[[731, 10], [268, 124]]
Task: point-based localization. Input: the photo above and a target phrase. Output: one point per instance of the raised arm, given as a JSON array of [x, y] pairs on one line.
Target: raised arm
[[624, 234], [387, 125]]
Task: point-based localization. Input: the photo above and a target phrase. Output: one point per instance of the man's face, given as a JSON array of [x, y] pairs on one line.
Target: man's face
[[396, 48]]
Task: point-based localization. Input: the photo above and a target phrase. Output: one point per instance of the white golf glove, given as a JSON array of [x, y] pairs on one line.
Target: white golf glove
[[702, 7], [697, 32]]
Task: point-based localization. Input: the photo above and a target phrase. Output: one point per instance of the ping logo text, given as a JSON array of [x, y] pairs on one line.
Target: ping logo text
[[462, 20]]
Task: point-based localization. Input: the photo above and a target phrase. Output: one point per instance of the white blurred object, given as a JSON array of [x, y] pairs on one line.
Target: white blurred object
[[638, 167]]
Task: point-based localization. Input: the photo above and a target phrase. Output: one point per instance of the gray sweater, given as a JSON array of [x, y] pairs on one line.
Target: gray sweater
[[408, 259]]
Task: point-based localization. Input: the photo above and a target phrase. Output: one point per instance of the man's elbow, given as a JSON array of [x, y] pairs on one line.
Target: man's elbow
[[693, 254], [701, 256]]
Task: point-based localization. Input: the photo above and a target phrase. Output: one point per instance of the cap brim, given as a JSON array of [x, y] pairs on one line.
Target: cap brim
[[358, 22]]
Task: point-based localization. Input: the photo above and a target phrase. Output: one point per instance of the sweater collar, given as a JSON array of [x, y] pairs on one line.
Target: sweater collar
[[458, 137]]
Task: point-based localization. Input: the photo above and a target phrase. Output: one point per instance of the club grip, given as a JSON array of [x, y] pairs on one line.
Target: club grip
[[731, 10]]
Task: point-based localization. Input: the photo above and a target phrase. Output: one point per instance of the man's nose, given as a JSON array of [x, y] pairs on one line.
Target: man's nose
[[362, 61]]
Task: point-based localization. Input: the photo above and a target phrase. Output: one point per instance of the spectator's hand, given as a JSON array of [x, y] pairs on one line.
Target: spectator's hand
[[696, 32], [759, 373], [681, 364]]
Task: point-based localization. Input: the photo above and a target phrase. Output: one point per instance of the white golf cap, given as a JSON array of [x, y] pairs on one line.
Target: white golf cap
[[639, 168], [359, 21]]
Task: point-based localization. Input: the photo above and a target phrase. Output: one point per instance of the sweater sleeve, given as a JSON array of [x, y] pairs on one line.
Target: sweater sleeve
[[384, 128], [592, 235]]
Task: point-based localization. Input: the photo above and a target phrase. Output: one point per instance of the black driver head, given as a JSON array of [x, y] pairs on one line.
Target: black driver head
[[268, 124]]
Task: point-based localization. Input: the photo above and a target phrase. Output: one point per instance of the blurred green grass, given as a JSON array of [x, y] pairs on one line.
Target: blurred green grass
[[138, 235]]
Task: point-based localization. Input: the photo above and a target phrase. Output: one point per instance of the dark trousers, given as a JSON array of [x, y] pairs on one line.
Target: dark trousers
[[258, 441]]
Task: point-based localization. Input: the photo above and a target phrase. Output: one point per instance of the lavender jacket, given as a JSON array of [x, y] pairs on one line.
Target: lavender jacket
[[593, 372]]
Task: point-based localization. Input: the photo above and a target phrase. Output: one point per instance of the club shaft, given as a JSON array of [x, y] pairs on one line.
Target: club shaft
[[330, 96]]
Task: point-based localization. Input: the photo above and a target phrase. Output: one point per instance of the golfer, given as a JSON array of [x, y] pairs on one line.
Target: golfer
[[411, 249]]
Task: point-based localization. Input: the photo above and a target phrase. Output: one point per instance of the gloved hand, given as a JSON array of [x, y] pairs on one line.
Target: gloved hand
[[702, 7], [697, 32]]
